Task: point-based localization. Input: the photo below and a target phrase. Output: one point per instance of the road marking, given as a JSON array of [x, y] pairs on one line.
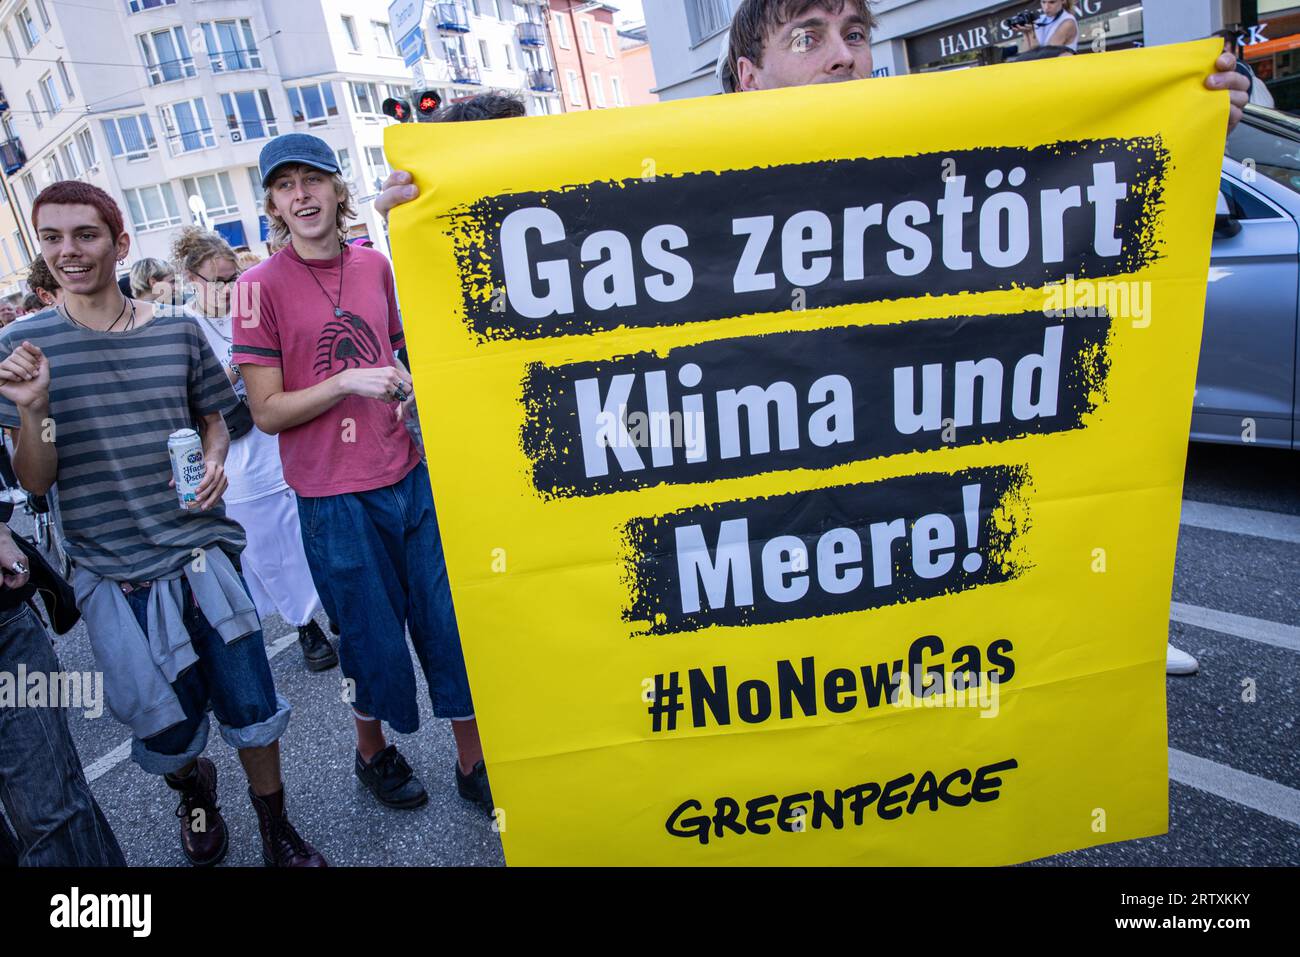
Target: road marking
[[1239, 626], [1258, 794], [1242, 521], [101, 766]]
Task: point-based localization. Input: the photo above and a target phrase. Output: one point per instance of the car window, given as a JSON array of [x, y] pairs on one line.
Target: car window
[[1268, 153], [1246, 205]]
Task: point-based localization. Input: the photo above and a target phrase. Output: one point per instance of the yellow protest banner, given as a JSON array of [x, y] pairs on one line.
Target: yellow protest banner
[[808, 462]]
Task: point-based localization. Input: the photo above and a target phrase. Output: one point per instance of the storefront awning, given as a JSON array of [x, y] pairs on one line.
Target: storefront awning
[[1257, 51]]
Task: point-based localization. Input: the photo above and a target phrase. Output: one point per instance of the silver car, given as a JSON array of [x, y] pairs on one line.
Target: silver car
[[1246, 384]]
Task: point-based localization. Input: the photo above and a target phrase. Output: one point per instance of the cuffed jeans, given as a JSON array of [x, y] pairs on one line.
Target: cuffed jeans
[[55, 818]]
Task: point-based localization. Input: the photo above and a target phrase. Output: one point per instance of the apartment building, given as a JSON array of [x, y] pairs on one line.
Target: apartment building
[[166, 104], [588, 56]]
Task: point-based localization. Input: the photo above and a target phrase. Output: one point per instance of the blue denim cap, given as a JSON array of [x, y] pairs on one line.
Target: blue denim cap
[[296, 148]]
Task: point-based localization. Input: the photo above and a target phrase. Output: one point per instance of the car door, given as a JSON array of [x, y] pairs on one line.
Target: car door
[[1245, 387]]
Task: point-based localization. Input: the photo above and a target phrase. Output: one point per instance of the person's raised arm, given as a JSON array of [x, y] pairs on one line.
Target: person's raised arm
[[25, 381]]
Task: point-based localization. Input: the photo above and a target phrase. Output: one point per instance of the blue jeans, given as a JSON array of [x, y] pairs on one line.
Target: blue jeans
[[376, 558], [233, 679], [56, 820]]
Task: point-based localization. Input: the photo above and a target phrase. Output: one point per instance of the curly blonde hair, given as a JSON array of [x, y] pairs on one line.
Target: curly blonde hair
[[194, 245], [279, 229]]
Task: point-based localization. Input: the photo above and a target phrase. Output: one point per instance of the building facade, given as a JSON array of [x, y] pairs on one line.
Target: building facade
[[589, 55], [914, 36], [638, 66], [166, 104]]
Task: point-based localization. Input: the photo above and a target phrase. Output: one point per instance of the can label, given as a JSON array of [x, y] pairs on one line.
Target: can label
[[188, 467]]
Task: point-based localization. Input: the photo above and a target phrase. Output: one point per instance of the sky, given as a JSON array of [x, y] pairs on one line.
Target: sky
[[629, 11]]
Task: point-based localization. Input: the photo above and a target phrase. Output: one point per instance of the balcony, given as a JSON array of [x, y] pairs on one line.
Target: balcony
[[531, 34], [451, 17], [541, 81], [464, 70], [12, 155]]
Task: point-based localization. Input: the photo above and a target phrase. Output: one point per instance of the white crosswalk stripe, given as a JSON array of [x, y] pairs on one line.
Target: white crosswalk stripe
[[1242, 521], [1249, 790], [1239, 626]]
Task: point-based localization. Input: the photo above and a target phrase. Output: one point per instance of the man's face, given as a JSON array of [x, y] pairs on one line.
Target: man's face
[[7, 313], [305, 199], [78, 246], [817, 47]]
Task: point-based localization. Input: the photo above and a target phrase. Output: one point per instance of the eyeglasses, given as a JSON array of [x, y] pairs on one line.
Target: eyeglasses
[[219, 280]]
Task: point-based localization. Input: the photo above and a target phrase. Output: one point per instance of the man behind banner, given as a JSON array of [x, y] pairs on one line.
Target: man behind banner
[[782, 43]]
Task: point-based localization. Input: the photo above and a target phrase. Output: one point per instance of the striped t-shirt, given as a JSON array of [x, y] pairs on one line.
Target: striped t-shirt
[[115, 397]]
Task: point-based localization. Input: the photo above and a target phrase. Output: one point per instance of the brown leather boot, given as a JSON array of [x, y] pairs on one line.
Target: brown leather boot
[[282, 846], [203, 830]]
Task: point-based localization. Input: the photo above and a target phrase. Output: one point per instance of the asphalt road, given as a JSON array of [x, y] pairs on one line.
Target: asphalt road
[[1235, 765]]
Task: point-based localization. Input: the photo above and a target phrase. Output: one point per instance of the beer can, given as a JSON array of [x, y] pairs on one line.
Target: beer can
[[186, 451]]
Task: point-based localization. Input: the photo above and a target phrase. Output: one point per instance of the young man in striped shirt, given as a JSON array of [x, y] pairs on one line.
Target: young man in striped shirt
[[91, 391]]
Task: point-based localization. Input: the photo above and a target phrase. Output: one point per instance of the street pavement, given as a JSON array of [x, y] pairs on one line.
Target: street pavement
[[1234, 765]]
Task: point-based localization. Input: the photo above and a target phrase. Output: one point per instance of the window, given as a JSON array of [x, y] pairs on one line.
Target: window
[[706, 18], [29, 187], [216, 193], [586, 36], [616, 84], [383, 38], [365, 97], [9, 259], [86, 143], [68, 151], [575, 91], [45, 14], [561, 31], [345, 165], [67, 80], [314, 103], [376, 164], [231, 45], [166, 55], [153, 207], [50, 95], [186, 126], [350, 28], [249, 115], [36, 114], [27, 29], [135, 6], [129, 136], [510, 61], [53, 171], [13, 50], [597, 90], [504, 11], [609, 42], [483, 54]]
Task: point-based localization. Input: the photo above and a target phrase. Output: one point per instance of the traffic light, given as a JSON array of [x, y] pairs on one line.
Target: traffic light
[[427, 102], [399, 110]]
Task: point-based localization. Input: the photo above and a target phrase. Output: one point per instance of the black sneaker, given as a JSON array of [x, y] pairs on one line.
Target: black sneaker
[[317, 651], [391, 779], [474, 786]]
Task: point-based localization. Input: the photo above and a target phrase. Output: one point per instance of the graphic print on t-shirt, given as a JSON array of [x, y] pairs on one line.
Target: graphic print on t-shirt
[[348, 341]]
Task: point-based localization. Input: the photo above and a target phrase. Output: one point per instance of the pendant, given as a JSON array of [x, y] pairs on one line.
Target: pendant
[[338, 313]]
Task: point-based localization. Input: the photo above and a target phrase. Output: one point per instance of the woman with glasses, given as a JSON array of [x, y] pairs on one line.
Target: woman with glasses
[[258, 497]]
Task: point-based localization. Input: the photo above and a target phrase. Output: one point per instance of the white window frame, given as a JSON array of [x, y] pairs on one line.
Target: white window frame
[[609, 42], [379, 172], [153, 63], [50, 94], [561, 31], [372, 93], [265, 116], [166, 197], [325, 90], [45, 14], [575, 88], [139, 6], [616, 84], [597, 91], [13, 47], [86, 143], [27, 29], [350, 31], [219, 59], [225, 190], [588, 43], [383, 37], [36, 114], [483, 54], [67, 80], [144, 127], [68, 150], [29, 187], [53, 168], [171, 129]]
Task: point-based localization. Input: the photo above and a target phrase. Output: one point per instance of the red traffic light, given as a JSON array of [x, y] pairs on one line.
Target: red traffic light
[[397, 109], [428, 102]]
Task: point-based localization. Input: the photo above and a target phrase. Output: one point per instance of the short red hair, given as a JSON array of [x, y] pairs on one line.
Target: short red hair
[[71, 192]]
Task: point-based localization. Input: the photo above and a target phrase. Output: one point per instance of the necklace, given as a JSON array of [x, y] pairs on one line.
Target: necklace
[[217, 328], [338, 306], [130, 323]]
